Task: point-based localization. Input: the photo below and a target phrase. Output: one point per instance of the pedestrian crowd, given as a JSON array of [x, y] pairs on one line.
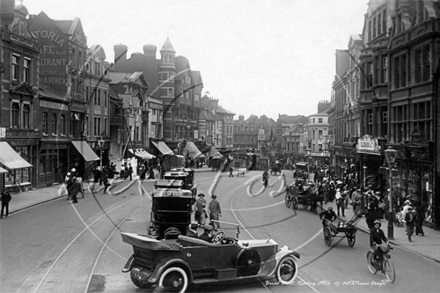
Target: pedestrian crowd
[[368, 201]]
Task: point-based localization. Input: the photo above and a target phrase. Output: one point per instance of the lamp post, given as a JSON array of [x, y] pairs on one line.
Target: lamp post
[[390, 157], [101, 145], [364, 175]]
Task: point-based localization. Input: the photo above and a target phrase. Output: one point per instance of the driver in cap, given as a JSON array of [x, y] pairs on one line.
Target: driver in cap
[[207, 229]]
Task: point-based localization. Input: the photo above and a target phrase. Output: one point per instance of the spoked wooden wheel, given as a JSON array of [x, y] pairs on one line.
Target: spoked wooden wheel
[[288, 201], [390, 272], [351, 239], [305, 203], [328, 238], [371, 263], [295, 203]]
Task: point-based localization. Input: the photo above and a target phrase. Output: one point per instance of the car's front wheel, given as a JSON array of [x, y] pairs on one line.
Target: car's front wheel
[[287, 270], [174, 279]]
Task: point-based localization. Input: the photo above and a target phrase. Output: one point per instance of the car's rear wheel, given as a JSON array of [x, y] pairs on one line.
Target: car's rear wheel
[[174, 279], [287, 270]]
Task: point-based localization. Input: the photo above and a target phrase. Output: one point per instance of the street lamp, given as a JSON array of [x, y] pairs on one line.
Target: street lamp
[[364, 175], [101, 145], [390, 157]]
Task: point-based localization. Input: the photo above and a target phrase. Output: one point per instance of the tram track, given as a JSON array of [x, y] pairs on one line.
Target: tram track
[[253, 237], [77, 238]]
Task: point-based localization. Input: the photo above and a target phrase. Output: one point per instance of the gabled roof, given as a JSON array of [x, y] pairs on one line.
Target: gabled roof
[[64, 25], [196, 77]]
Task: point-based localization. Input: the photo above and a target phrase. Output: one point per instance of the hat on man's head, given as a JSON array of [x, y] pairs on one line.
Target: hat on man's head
[[73, 170], [377, 222], [407, 202], [194, 225], [201, 194], [330, 208], [214, 196]]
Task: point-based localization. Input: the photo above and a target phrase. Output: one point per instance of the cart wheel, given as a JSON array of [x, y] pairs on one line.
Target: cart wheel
[[288, 201], [286, 270], [351, 239], [294, 203], [174, 279], [305, 203], [328, 236]]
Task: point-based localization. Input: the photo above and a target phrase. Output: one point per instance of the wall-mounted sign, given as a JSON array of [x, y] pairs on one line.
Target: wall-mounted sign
[[368, 145]]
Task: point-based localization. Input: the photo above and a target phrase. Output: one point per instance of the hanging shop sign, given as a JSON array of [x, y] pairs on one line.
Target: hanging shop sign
[[368, 145]]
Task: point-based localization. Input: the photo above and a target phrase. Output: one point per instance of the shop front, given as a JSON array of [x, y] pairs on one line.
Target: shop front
[[18, 170], [52, 163], [415, 177]]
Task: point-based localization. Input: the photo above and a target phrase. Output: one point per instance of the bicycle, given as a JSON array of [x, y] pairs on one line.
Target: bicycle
[[385, 265]]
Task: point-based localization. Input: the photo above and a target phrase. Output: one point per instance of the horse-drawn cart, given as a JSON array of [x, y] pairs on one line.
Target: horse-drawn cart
[[347, 228]]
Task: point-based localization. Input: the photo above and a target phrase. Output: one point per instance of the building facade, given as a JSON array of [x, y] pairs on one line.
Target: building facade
[[19, 100]]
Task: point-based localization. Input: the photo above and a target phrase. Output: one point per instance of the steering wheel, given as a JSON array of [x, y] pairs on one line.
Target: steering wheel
[[219, 237]]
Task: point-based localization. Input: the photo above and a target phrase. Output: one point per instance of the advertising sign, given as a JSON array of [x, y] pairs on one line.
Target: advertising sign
[[368, 145], [54, 53]]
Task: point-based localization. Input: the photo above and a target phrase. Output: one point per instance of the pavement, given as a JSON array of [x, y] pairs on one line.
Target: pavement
[[426, 246]]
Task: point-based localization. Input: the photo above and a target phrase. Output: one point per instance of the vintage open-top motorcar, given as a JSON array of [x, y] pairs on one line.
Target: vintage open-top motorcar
[[176, 264]]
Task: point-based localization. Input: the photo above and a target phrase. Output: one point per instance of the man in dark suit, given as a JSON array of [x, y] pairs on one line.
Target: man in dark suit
[[206, 233], [376, 237], [5, 198]]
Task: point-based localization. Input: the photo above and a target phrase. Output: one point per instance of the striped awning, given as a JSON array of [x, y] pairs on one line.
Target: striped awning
[[163, 148], [193, 151], [85, 150], [142, 154], [10, 158]]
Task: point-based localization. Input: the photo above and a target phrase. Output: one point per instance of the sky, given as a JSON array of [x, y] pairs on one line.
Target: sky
[[261, 57]]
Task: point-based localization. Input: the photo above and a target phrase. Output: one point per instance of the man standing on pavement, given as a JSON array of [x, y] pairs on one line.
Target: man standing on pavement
[[105, 179], [215, 212], [5, 198], [130, 171]]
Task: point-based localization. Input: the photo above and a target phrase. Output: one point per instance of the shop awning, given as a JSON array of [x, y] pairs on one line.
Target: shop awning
[[3, 170], [193, 151], [163, 148], [10, 158], [142, 154], [85, 150], [214, 153]]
